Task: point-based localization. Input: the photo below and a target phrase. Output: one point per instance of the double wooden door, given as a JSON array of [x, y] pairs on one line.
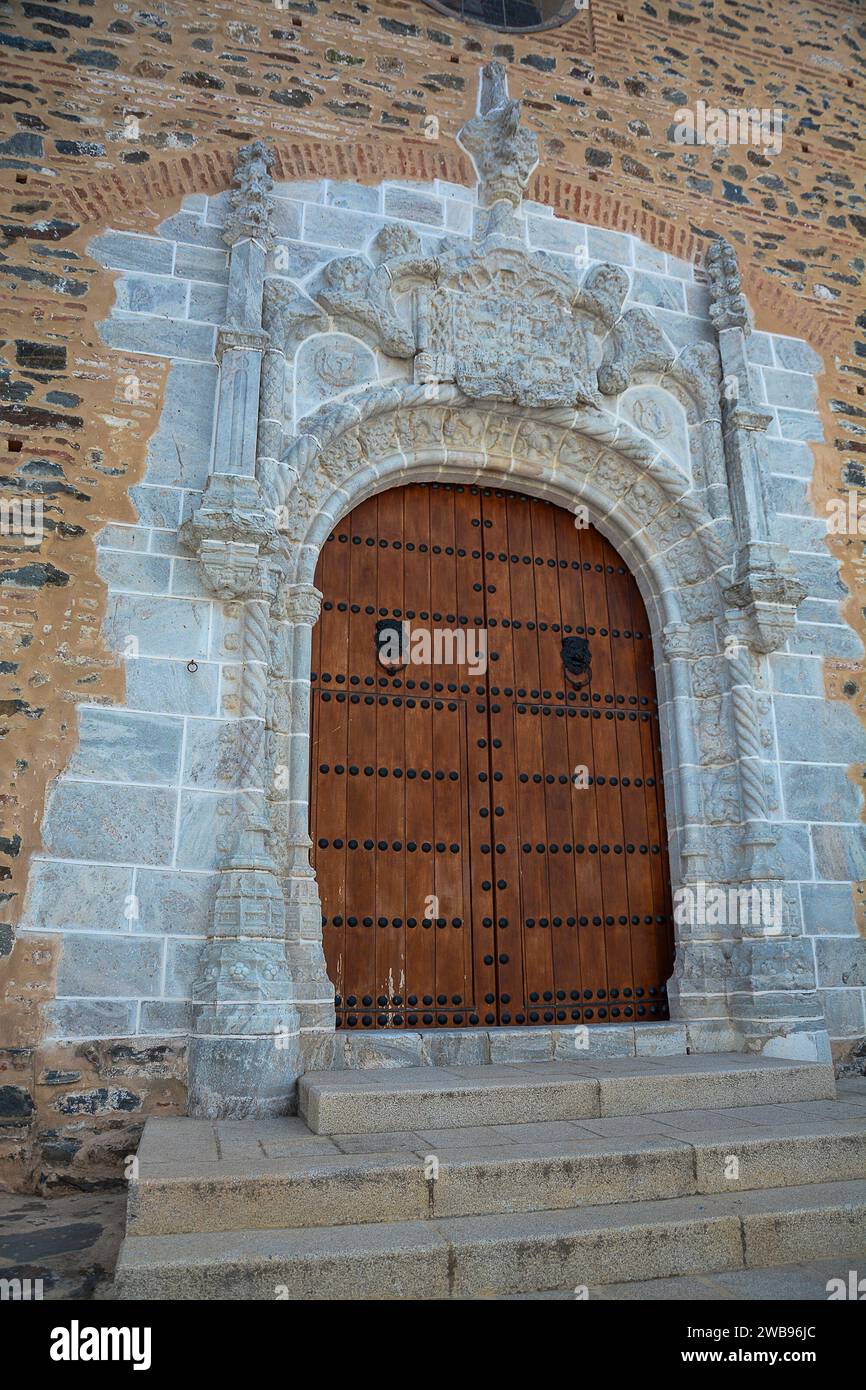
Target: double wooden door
[[488, 833]]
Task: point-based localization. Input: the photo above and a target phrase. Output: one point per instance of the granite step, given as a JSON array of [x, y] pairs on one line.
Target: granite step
[[275, 1174], [359, 1102], [497, 1255]]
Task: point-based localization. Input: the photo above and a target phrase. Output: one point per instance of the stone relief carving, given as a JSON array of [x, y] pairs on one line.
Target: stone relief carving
[[360, 295], [250, 214], [288, 315], [727, 304], [504, 329], [503, 151], [513, 356]]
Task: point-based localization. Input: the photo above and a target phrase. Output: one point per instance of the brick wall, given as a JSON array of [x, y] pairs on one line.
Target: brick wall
[[112, 117]]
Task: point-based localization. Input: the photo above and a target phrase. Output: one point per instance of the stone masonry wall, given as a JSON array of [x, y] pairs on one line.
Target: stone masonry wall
[[120, 132]]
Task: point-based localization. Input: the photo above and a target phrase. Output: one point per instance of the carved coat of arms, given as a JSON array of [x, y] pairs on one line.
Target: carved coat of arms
[[502, 335]]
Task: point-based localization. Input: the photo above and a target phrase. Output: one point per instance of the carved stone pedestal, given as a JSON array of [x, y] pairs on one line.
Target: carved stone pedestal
[[244, 1049]]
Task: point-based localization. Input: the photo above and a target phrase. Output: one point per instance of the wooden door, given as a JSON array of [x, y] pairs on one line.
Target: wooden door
[[488, 836]]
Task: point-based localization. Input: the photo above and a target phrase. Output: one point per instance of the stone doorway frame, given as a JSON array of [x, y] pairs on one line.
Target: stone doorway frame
[[736, 989], [720, 594]]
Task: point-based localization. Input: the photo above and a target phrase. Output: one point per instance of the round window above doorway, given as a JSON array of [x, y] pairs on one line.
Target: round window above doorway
[[511, 16]]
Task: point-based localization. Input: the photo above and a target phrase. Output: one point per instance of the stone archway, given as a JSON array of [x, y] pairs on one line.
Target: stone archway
[[640, 504], [503, 365]]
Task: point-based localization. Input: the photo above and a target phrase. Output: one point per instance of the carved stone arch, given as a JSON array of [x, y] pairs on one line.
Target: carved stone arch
[[642, 503], [499, 362]]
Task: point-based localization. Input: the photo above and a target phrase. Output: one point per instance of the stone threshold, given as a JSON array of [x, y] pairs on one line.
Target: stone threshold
[[344, 1051]]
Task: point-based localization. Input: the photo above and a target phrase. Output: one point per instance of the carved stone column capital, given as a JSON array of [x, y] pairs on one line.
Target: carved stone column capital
[[300, 603], [677, 640], [231, 339]]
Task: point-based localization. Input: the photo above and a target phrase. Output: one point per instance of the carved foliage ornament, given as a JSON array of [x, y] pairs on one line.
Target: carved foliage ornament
[[250, 214]]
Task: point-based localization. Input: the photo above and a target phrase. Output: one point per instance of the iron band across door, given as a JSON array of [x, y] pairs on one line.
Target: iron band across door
[[487, 815]]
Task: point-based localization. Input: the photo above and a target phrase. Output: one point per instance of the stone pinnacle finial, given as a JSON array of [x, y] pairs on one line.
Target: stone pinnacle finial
[[727, 303], [503, 151], [251, 204]]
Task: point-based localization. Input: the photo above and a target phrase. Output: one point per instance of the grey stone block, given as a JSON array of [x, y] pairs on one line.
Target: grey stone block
[[414, 206], [800, 425], [828, 909], [181, 967], [556, 234], [784, 456], [89, 1018], [797, 675], [208, 823], [609, 246], [95, 820], [841, 960], [544, 1250], [793, 850], [152, 294], [409, 1261], [353, 195], [817, 639], [157, 506], [202, 263], [521, 1044], [844, 1012], [365, 1052], [818, 730], [161, 626], [129, 251], [188, 579], [213, 754], [578, 1044], [664, 292], [132, 539], [820, 576], [189, 227], [813, 792], [660, 1039], [648, 258], [109, 965], [819, 610], [167, 685], [302, 190], [795, 355], [118, 747], [683, 329], [175, 902], [165, 1017], [297, 259], [840, 852], [455, 1048], [790, 495], [458, 216], [759, 349], [208, 303], [159, 336], [793, 389], [63, 896], [822, 1221], [180, 448], [332, 226], [130, 572]]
